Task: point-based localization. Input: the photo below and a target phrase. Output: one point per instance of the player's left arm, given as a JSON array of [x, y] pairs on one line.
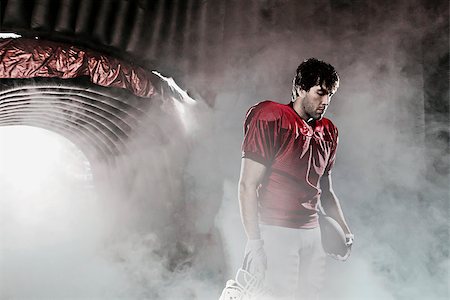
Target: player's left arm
[[331, 205]]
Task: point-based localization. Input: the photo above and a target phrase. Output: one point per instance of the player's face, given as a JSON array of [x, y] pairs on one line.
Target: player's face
[[316, 101]]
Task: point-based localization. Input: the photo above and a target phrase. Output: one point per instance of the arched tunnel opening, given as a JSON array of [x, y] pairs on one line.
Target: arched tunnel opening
[[138, 149], [137, 130], [138, 222], [154, 94]]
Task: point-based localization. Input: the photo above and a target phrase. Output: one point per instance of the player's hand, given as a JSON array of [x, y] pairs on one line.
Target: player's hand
[[349, 242], [255, 259]]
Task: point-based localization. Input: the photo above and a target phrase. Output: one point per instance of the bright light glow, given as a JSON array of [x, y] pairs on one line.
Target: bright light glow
[[182, 101], [38, 169], [180, 108], [183, 95], [50, 220], [31, 157], [9, 35]]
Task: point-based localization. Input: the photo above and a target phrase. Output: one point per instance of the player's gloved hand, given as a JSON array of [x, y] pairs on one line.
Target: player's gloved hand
[[349, 242], [255, 260]]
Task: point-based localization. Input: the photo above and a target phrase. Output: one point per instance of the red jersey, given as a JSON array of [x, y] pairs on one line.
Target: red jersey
[[296, 156]]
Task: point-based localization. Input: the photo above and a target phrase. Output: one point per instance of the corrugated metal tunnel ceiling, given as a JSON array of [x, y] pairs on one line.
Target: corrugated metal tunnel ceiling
[[82, 68], [94, 100]]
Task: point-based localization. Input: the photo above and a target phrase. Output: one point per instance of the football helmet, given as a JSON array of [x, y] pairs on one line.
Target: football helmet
[[244, 287]]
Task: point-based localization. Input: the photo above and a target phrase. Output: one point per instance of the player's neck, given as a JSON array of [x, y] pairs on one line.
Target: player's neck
[[297, 106]]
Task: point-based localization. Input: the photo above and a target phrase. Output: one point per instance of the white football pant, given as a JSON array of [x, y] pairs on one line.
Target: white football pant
[[295, 262]]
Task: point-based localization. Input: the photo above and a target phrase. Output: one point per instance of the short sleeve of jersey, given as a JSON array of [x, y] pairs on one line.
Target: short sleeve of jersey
[[332, 158], [261, 133]]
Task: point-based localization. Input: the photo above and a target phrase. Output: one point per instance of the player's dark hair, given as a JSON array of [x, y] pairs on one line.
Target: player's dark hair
[[313, 72]]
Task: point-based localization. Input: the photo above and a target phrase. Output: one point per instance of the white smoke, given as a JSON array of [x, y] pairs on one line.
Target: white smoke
[[52, 223], [153, 232]]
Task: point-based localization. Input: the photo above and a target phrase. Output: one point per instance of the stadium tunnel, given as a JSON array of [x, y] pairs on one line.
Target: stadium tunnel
[[83, 69], [75, 49]]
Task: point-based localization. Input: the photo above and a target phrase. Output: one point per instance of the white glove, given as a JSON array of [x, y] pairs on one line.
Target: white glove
[[255, 260], [349, 239]]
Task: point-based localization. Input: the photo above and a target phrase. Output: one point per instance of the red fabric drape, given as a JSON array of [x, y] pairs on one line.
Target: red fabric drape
[[28, 58]]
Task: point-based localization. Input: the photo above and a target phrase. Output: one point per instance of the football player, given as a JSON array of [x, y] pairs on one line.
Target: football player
[[288, 154]]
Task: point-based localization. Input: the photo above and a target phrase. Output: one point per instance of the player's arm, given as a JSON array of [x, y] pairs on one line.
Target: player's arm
[[330, 203], [252, 173]]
